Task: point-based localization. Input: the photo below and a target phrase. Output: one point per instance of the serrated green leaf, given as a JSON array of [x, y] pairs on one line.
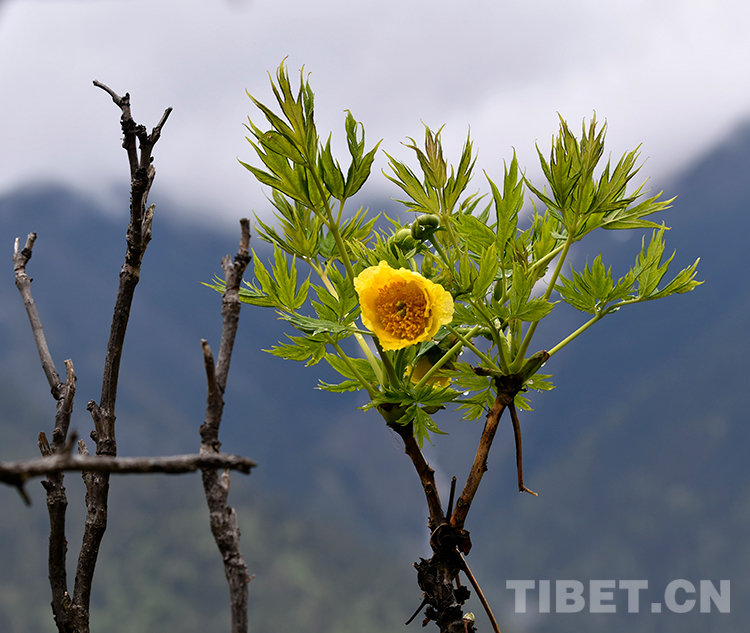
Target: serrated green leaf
[[540, 382], [683, 282], [331, 172], [341, 387], [422, 199], [423, 426], [534, 310], [649, 269], [488, 265], [362, 366], [477, 236], [309, 348], [312, 326], [458, 181], [507, 205], [285, 279]]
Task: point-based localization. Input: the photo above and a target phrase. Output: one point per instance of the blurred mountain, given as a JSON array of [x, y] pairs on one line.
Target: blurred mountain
[[639, 455]]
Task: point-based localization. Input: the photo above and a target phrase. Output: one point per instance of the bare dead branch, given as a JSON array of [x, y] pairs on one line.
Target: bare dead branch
[[17, 473], [63, 393], [223, 518], [23, 283], [138, 234]]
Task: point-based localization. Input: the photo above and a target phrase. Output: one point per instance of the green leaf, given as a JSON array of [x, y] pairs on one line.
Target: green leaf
[[507, 205], [478, 393], [361, 165], [593, 289], [488, 265], [312, 326], [341, 387], [458, 182], [422, 199], [540, 382], [534, 310], [632, 218], [290, 297], [302, 348], [424, 425], [683, 282], [301, 228], [477, 235], [362, 366], [520, 290], [331, 173], [342, 307], [649, 269]]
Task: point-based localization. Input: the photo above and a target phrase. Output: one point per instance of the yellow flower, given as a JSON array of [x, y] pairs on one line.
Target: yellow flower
[[401, 307], [422, 367]]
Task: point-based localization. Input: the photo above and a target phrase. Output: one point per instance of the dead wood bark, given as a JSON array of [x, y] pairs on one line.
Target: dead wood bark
[[17, 473], [223, 518], [71, 612]]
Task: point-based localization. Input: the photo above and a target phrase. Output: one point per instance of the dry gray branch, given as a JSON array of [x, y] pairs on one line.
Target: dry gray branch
[[63, 393], [223, 517], [17, 473]]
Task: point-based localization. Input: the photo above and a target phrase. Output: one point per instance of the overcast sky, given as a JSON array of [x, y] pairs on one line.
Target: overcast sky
[[673, 75]]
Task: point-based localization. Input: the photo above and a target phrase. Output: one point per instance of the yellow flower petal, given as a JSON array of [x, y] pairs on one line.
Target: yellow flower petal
[[401, 307], [422, 367]]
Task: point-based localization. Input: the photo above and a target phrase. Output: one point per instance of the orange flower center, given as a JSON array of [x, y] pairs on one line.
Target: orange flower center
[[402, 309]]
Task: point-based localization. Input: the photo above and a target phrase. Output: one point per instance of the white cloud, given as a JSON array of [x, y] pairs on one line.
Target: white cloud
[[669, 74]]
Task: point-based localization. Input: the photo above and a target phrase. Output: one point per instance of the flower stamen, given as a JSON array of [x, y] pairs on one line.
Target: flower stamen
[[403, 310]]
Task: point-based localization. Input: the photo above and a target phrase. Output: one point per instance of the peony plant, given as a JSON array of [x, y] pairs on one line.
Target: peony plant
[[392, 305]]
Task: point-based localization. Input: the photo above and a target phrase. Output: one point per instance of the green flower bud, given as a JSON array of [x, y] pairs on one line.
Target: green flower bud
[[424, 226], [403, 240]]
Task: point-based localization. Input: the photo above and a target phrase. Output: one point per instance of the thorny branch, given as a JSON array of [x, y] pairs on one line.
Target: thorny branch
[[223, 518]]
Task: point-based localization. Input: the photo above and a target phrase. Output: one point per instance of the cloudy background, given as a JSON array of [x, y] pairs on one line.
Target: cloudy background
[[670, 74]]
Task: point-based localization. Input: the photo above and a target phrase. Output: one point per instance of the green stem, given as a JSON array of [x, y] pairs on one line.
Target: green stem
[[480, 308], [333, 226], [352, 367], [518, 360], [597, 317], [448, 355], [576, 334], [327, 282], [446, 222], [389, 370], [436, 244], [370, 356], [464, 339], [546, 259], [359, 338]]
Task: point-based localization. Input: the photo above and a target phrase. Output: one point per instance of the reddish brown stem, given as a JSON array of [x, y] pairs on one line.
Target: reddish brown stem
[[425, 472], [507, 388], [519, 450]]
